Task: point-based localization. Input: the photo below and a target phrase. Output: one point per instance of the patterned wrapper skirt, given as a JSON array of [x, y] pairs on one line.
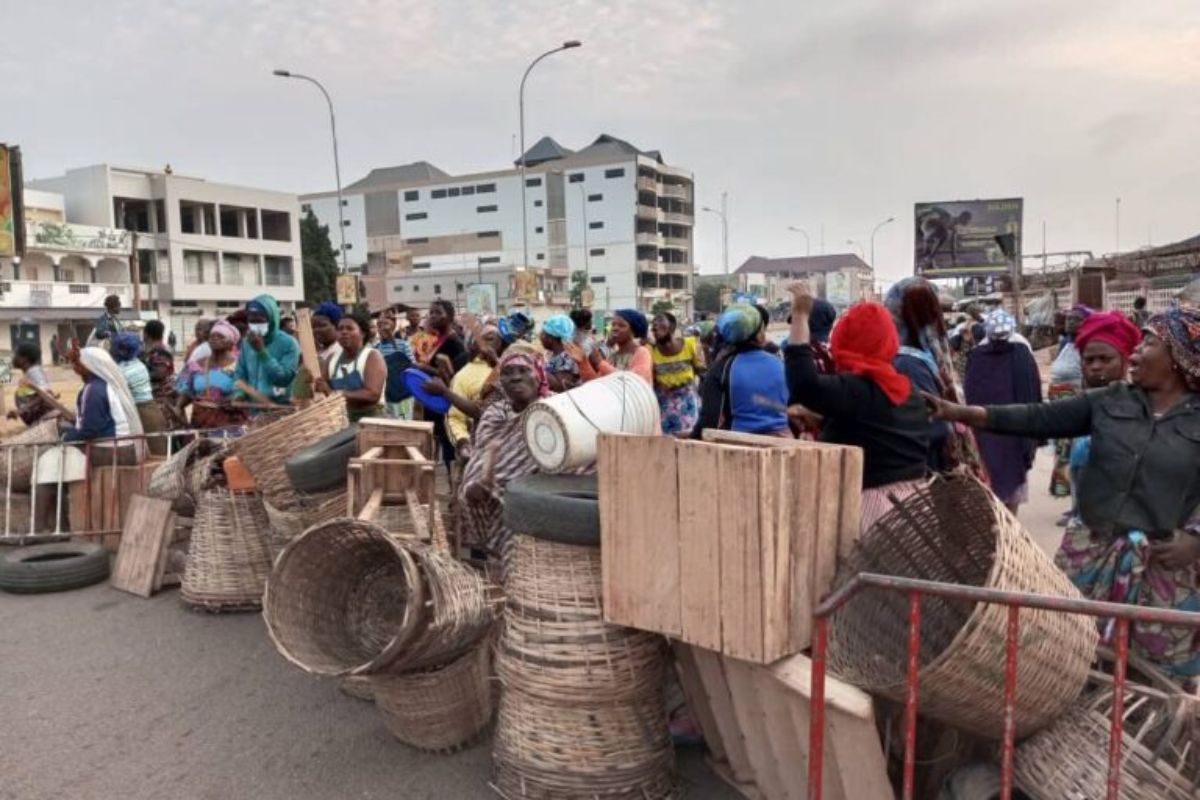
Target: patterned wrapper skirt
[[1060, 476], [680, 409], [1119, 570]]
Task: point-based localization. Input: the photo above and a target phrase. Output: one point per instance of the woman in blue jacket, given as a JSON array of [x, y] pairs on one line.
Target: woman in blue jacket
[[269, 357]]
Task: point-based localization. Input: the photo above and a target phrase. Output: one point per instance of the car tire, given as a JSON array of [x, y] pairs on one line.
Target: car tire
[[52, 567], [321, 467], [556, 508]]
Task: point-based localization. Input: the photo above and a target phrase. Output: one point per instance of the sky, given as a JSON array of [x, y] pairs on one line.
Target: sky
[[825, 116]]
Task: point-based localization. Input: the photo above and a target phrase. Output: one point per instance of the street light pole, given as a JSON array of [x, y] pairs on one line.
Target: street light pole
[[807, 243], [567, 45], [723, 214], [873, 232], [337, 168]]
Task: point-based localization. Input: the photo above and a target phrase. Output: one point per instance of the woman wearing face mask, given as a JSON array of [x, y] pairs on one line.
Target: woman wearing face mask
[[1137, 537], [269, 357], [499, 452], [358, 372]]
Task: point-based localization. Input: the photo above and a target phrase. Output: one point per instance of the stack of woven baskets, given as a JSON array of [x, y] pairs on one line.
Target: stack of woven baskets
[[347, 599], [582, 712], [229, 557]]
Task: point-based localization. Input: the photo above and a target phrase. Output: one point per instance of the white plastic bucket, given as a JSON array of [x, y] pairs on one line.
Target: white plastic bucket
[[561, 430]]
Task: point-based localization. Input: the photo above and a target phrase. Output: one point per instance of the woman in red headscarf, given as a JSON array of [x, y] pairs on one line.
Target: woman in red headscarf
[[867, 404]]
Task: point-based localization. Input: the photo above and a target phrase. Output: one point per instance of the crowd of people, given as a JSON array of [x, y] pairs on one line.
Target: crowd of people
[[919, 397]]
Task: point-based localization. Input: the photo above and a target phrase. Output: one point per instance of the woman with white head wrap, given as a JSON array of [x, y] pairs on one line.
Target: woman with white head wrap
[[105, 408]]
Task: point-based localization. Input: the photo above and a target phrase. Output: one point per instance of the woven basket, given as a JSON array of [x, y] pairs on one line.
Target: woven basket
[[954, 530], [290, 523], [1160, 748], [22, 456], [357, 686], [441, 709], [169, 480], [228, 557], [555, 642], [347, 598], [549, 751], [265, 450]]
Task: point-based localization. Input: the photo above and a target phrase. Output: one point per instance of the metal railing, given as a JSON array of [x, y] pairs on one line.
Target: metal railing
[[1015, 601]]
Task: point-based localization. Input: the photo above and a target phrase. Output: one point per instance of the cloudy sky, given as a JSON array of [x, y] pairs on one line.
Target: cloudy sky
[[828, 116]]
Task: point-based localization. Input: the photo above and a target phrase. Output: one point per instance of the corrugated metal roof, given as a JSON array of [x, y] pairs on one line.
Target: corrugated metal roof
[[801, 264], [545, 149], [405, 173]]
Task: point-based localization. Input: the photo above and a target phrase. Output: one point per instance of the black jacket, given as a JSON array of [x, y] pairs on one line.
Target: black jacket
[[894, 439], [1142, 474]]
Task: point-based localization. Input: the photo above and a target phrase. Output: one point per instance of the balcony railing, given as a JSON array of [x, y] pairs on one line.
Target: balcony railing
[[647, 184], [675, 191], [650, 265], [679, 269], [678, 242], [61, 294], [647, 239], [649, 212], [676, 218]]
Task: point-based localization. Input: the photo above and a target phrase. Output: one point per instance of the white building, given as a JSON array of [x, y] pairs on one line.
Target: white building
[[203, 248], [619, 214], [841, 278]]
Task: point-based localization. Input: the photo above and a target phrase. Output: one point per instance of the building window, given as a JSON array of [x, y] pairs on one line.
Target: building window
[[458, 287], [541, 256], [276, 225], [595, 198], [453, 192], [437, 288], [419, 240], [489, 259], [277, 271], [596, 251], [421, 265], [598, 279], [192, 272], [466, 190], [416, 215], [305, 207], [412, 196], [485, 209], [485, 188], [487, 234], [539, 229], [595, 225], [533, 181], [537, 203], [576, 177], [619, 172], [438, 194]]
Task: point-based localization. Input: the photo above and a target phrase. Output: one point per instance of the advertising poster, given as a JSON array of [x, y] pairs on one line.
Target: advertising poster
[[837, 288], [347, 290], [481, 298], [8, 207], [959, 237]]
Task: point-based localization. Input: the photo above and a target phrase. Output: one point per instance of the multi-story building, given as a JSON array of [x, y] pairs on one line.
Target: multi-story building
[[618, 214], [203, 248], [841, 278]]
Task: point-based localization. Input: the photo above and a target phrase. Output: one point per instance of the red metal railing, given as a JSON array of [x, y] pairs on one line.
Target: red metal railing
[[1015, 601]]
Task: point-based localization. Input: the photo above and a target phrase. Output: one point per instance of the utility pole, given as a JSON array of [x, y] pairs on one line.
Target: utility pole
[[1118, 225], [135, 274]]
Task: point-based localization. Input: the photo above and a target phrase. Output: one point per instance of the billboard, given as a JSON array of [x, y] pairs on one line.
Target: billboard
[[481, 298], [11, 223], [958, 237]]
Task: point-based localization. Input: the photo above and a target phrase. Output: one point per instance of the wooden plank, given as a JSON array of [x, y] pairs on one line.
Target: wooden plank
[[378, 432], [609, 479], [858, 760], [753, 724], [143, 540], [775, 535], [699, 544], [829, 505], [160, 569], [698, 702], [371, 508], [710, 667], [804, 496], [717, 436], [789, 752], [416, 513], [850, 519], [308, 342], [741, 556], [642, 578]]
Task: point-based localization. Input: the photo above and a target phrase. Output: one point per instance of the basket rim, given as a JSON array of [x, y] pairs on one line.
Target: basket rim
[[408, 625]]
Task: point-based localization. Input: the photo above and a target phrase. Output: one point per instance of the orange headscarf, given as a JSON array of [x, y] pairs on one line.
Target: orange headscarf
[[864, 343]]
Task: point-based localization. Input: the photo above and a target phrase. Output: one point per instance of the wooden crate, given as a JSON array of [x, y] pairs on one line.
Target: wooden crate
[[102, 503], [755, 721], [728, 544]]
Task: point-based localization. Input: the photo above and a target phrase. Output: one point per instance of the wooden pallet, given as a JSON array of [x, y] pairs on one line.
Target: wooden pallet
[[726, 544], [755, 721], [146, 535]]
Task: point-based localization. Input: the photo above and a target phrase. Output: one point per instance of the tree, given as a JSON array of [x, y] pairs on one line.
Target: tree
[[579, 282], [319, 261], [662, 305], [708, 298]]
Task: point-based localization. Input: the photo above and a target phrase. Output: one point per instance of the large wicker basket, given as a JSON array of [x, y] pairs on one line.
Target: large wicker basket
[[265, 450], [169, 479], [955, 530], [347, 598], [440, 709], [1160, 748], [22, 456], [556, 644], [287, 524], [228, 558], [551, 751]]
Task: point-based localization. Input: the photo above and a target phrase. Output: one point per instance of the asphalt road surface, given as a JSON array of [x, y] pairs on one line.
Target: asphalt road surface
[[106, 695]]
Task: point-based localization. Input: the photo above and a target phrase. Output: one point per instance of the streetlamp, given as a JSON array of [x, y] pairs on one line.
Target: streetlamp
[[873, 232], [724, 215], [858, 244], [567, 45], [807, 243], [337, 169]]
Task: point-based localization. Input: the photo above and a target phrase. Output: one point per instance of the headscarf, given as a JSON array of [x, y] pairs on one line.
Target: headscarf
[[228, 330], [126, 346], [636, 319], [1111, 327], [98, 362], [928, 336], [864, 343], [560, 327], [999, 325], [821, 319], [330, 310], [739, 323], [1079, 311], [529, 358], [1180, 331]]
